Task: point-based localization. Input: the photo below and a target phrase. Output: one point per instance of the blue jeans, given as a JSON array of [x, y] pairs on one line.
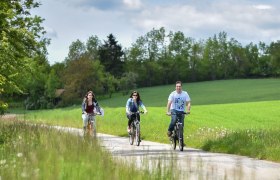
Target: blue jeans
[[131, 118], [174, 115]]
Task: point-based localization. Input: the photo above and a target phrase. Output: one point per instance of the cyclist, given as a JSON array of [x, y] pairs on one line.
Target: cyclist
[[89, 105], [177, 101], [132, 105]]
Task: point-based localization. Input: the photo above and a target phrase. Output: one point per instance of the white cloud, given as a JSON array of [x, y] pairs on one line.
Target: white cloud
[[262, 7], [132, 4], [51, 33], [69, 20]]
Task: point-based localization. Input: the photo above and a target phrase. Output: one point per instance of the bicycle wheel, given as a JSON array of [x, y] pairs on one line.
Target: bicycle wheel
[[131, 135], [93, 127], [137, 134], [87, 131], [173, 140], [181, 138]]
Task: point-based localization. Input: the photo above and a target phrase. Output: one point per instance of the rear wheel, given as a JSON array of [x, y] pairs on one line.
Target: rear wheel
[[181, 138]]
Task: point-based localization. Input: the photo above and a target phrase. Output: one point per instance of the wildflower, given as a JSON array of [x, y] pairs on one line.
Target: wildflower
[[19, 154], [24, 174], [2, 161]]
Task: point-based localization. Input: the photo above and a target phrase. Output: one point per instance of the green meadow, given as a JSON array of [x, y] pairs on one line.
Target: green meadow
[[229, 116]]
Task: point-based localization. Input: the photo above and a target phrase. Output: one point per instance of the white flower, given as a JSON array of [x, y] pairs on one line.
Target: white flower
[[19, 154], [2, 161]]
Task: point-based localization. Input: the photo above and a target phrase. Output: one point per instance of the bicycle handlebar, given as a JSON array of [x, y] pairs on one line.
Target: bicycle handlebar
[[138, 112], [94, 114], [178, 113]]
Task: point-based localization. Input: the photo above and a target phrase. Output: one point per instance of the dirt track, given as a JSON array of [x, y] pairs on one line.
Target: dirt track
[[193, 163]]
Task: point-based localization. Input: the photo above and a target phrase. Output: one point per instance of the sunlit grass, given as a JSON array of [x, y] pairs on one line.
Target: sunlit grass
[[261, 144], [36, 152], [205, 123]]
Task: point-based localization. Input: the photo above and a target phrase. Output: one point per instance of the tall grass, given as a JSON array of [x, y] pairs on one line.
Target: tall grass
[[36, 152], [261, 144]]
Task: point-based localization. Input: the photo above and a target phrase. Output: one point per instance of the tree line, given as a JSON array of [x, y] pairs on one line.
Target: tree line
[[156, 58]]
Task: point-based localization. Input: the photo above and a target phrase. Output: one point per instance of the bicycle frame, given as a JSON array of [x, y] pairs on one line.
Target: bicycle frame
[[178, 132], [135, 130], [91, 124]]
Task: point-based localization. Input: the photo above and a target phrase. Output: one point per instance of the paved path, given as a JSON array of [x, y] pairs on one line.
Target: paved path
[[193, 163]]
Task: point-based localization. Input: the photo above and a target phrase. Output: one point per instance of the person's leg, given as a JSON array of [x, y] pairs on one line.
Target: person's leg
[[183, 119], [128, 122], [172, 124]]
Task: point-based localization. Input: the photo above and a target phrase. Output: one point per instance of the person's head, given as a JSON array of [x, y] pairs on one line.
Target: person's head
[[178, 86], [89, 95], [135, 95]]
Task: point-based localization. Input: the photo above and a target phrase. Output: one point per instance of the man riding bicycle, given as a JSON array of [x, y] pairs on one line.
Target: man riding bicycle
[[177, 101]]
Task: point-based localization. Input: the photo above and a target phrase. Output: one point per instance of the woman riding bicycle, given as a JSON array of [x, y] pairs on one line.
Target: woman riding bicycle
[[177, 101], [89, 106], [132, 106]]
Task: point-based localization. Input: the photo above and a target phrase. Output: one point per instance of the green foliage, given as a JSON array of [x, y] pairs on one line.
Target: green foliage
[[275, 57], [35, 83], [20, 42], [128, 82], [110, 54], [81, 76]]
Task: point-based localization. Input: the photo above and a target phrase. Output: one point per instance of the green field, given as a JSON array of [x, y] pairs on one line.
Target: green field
[[231, 116]]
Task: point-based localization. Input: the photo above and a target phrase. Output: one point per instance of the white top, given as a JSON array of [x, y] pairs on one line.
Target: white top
[[179, 100]]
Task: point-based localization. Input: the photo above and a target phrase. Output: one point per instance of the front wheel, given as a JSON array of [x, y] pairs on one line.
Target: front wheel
[[173, 140], [93, 125], [181, 138], [137, 135], [131, 135]]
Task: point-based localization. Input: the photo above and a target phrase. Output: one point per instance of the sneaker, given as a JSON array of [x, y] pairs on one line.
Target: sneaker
[[169, 133]]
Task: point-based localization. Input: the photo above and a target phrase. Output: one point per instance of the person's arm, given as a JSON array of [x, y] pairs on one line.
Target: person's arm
[[83, 107], [143, 107], [188, 104], [168, 107], [96, 105], [127, 110]]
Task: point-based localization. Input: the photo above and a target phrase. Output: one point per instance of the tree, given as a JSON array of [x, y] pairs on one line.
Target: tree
[[179, 51], [111, 54], [76, 50], [92, 47], [81, 76], [21, 39], [274, 50]]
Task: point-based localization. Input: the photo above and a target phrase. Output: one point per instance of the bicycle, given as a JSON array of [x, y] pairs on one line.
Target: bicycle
[[178, 132], [91, 125], [135, 129]]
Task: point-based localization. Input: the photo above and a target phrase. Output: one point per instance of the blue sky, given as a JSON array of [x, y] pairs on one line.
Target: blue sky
[[68, 20]]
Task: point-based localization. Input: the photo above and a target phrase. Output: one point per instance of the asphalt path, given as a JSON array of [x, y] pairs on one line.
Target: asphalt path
[[190, 163]]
